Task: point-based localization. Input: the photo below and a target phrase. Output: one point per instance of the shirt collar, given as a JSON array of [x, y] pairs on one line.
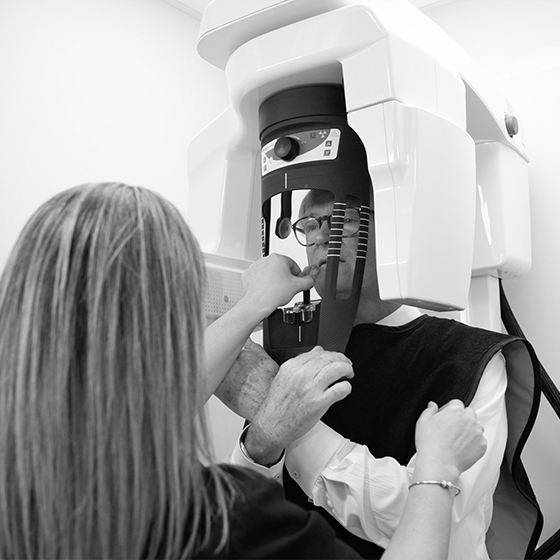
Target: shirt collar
[[403, 315]]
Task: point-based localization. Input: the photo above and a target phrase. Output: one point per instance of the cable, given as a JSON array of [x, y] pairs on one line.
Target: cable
[[552, 545]]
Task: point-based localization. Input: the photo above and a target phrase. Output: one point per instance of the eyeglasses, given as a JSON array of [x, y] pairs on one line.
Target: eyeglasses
[[307, 228]]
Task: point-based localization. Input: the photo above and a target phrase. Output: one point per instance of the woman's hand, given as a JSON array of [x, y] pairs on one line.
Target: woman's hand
[[449, 441], [273, 281]]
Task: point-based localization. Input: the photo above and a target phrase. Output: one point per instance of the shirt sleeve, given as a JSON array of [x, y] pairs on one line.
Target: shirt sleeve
[[263, 524], [367, 494]]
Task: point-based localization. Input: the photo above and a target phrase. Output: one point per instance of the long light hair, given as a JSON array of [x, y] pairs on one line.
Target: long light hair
[[101, 379]]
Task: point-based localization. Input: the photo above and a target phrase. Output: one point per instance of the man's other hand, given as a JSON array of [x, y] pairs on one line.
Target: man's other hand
[[302, 391]]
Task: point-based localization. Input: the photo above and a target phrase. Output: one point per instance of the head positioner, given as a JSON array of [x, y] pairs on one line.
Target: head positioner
[[307, 144]]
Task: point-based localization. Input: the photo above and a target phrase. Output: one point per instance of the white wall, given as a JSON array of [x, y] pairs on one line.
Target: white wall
[[97, 90], [517, 43], [100, 90]]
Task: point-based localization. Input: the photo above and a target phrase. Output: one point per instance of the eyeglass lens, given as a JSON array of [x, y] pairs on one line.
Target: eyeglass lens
[[307, 228]]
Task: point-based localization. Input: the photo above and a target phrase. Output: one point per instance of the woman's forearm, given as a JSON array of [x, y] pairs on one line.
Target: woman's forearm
[[424, 528], [268, 283]]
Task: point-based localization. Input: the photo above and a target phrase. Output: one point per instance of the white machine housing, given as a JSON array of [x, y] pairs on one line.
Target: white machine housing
[[445, 152]]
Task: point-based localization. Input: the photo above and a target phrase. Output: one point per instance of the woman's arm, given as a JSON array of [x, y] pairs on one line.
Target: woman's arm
[[268, 283], [449, 441]]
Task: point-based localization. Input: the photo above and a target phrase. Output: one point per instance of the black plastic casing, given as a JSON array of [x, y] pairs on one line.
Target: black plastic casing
[[290, 112]]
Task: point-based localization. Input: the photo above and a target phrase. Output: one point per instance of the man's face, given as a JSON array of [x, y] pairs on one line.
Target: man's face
[[317, 256]]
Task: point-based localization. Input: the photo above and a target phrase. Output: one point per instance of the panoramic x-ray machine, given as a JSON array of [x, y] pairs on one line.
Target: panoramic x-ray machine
[[349, 95], [444, 149]]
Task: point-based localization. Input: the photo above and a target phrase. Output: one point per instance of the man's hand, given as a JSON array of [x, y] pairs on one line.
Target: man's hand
[[302, 391], [246, 384]]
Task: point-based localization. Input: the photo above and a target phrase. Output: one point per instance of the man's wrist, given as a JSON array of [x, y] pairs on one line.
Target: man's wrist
[[259, 449]]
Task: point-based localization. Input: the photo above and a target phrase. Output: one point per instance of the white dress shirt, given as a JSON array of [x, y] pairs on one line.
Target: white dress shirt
[[367, 494]]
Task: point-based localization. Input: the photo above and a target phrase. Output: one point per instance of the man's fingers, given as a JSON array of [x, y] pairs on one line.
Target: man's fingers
[[334, 372], [309, 365], [328, 356], [314, 355], [337, 392]]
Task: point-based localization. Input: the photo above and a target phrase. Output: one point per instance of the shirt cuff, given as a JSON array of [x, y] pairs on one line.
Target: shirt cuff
[[307, 456], [242, 459]]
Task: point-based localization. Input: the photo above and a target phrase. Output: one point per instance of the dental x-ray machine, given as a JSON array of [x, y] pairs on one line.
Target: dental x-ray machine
[[444, 150], [345, 95]]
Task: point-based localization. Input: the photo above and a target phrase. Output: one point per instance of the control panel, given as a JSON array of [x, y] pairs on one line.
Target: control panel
[[306, 146]]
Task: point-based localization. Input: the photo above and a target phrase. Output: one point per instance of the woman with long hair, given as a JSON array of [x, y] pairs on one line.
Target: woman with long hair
[[104, 451]]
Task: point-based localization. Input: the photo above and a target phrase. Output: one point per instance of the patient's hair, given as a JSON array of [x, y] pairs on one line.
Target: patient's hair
[[102, 432]]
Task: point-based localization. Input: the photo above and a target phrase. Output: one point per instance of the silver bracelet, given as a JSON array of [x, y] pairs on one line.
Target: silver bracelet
[[443, 483]]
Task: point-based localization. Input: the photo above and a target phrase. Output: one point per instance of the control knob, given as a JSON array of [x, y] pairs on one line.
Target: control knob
[[286, 148]]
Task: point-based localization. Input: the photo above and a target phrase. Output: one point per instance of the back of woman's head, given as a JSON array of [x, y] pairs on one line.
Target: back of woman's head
[[101, 331]]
